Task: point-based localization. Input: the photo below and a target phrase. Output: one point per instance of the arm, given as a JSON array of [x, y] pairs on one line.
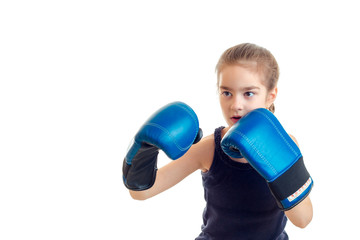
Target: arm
[[198, 157], [261, 139], [301, 215]]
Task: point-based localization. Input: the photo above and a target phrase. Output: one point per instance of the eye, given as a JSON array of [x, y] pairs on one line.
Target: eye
[[249, 94], [226, 94]]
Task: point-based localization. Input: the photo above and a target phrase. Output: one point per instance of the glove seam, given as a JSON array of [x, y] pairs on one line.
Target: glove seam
[[169, 134], [257, 151], [278, 131]]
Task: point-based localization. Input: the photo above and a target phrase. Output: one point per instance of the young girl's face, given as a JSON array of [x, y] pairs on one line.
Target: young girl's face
[[241, 90]]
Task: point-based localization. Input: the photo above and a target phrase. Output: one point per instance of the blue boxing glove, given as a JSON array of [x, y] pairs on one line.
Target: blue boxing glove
[[260, 138], [173, 129]]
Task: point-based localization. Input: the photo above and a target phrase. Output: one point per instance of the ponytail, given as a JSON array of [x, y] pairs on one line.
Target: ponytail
[[272, 108]]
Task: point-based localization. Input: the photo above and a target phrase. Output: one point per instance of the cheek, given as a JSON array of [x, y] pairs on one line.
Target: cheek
[[259, 103], [224, 105]]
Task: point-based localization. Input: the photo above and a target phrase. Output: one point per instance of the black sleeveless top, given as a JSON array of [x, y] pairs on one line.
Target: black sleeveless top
[[239, 204]]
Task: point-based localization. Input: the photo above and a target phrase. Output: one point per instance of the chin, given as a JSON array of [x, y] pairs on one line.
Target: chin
[[230, 124]]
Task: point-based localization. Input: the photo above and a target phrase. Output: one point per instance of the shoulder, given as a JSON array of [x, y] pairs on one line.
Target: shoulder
[[294, 139], [203, 152], [206, 144]]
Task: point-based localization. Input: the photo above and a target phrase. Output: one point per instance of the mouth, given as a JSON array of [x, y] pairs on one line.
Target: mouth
[[235, 119]]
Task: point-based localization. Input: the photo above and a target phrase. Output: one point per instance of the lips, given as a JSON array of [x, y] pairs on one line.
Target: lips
[[234, 119]]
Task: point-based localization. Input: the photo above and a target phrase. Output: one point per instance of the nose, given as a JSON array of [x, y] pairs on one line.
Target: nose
[[237, 103]]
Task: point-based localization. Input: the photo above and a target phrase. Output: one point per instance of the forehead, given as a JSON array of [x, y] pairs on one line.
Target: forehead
[[236, 76]]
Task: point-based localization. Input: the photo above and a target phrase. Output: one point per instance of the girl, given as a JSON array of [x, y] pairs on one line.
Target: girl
[[239, 204]]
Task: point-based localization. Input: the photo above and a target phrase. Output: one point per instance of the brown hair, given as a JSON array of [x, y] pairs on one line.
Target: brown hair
[[246, 54]]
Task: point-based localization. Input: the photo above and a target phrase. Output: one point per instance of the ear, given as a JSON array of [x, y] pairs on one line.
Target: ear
[[272, 94]]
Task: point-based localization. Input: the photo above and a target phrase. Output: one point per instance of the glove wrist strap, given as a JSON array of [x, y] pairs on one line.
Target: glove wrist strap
[[141, 173], [292, 186]]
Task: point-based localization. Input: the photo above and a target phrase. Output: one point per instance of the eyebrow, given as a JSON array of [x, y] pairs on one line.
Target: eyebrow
[[243, 89]]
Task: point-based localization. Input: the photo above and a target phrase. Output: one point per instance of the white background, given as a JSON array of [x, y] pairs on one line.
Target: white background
[[78, 78]]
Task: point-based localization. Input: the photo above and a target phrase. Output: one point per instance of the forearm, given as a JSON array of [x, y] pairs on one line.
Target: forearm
[[301, 215], [166, 177], [175, 171]]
